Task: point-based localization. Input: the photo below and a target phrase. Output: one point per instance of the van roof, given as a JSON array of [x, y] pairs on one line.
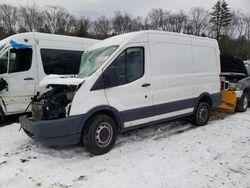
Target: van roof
[[46, 36], [138, 36]]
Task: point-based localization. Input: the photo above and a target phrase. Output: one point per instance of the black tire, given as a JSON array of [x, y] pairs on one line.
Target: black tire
[[201, 114], [242, 103], [100, 134]]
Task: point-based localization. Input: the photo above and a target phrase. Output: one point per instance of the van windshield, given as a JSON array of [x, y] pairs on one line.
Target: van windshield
[[92, 60]]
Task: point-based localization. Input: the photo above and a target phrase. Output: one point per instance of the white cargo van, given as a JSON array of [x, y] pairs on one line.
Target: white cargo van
[[126, 82], [28, 57]]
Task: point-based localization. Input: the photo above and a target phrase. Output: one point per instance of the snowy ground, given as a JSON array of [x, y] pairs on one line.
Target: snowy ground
[[169, 155]]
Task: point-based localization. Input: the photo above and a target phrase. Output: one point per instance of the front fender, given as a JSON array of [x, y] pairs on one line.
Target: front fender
[[97, 109]]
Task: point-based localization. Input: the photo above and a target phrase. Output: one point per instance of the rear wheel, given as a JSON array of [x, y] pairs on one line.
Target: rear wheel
[[100, 134], [242, 103], [201, 114]]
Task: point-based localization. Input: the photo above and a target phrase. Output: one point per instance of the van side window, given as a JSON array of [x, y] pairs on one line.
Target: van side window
[[20, 60], [61, 61], [129, 64]]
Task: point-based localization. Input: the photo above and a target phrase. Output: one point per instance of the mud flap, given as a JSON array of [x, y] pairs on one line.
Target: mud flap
[[228, 102]]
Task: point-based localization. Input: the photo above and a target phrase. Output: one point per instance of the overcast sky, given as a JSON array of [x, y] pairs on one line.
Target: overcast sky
[[95, 8]]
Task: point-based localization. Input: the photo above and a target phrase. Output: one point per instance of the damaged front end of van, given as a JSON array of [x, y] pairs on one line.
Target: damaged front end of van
[[50, 122], [53, 121]]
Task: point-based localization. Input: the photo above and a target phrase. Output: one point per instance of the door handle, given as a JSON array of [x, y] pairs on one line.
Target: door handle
[[145, 85], [29, 78]]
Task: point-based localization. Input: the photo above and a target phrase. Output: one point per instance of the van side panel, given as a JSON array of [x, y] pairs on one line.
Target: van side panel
[[172, 74], [206, 67]]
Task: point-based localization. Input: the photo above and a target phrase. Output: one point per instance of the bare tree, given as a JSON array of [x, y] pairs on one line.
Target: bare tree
[[8, 18], [58, 19], [232, 27], [81, 27], [138, 24], [31, 18], [164, 20], [102, 27], [247, 27], [178, 22], [199, 20], [240, 22], [122, 22], [156, 18]]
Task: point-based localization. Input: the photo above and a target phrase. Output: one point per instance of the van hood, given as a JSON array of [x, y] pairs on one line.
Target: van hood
[[61, 80]]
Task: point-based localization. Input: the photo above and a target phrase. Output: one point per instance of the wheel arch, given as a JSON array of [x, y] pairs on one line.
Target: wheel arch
[[204, 97], [108, 110]]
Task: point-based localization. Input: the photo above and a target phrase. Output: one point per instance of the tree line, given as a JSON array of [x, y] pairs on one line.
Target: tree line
[[230, 27]]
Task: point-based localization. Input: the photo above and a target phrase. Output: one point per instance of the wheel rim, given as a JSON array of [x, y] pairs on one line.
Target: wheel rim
[[203, 114], [104, 134], [245, 103]]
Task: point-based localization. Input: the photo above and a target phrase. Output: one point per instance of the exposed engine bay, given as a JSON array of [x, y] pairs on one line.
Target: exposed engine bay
[[53, 103]]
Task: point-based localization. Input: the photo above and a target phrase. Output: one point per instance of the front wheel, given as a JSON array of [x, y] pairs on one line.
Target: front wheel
[[100, 134], [242, 103], [201, 114]]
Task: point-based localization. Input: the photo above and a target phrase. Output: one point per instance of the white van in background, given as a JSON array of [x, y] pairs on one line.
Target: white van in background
[[126, 82], [28, 57]]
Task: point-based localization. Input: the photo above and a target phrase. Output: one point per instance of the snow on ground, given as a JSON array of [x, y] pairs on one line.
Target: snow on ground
[[169, 155]]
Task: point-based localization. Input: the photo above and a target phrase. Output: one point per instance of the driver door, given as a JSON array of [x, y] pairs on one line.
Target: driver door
[[132, 95]]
